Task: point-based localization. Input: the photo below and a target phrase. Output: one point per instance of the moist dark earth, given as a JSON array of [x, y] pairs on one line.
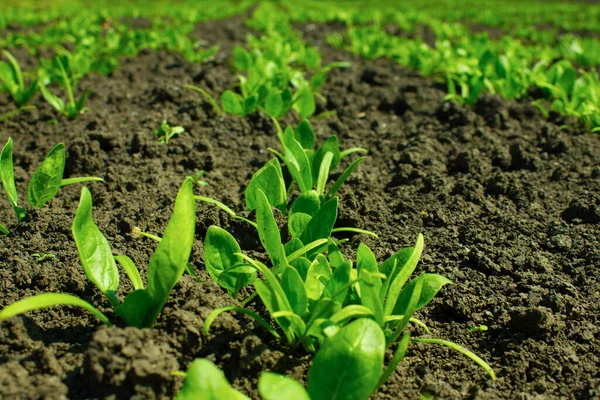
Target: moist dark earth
[[508, 202]]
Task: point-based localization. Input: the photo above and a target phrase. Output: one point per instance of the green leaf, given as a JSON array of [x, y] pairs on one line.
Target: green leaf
[[348, 365], [406, 261], [7, 174], [370, 284], [131, 271], [94, 251], [331, 145], [296, 160], [268, 231], [4, 230], [432, 283], [220, 250], [293, 287], [232, 103], [318, 271], [302, 211], [250, 104], [324, 173], [274, 104], [204, 380], [305, 135], [44, 300], [56, 102], [277, 387], [350, 312], [242, 59], [320, 226], [168, 261], [340, 181], [269, 179], [47, 178], [338, 284], [305, 102]]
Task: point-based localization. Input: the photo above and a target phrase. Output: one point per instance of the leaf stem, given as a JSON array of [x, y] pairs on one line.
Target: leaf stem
[[82, 179]]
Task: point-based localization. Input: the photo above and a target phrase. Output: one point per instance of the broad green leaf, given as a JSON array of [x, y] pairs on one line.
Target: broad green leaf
[[232, 103], [293, 286], [131, 271], [205, 381], [242, 59], [370, 285], [7, 174], [406, 260], [250, 104], [47, 178], [134, 309], [356, 356], [274, 104], [278, 387], [319, 270], [432, 283], [292, 246], [320, 226], [287, 102], [4, 230], [301, 212], [331, 145], [44, 300], [304, 102], [301, 265], [169, 260], [94, 251], [305, 135], [338, 284], [220, 250], [335, 255], [268, 231], [269, 179]]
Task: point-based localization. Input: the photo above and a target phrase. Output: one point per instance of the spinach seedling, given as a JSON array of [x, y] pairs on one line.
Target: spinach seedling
[[72, 108], [45, 182], [355, 352], [12, 79], [43, 256], [165, 132], [141, 307]]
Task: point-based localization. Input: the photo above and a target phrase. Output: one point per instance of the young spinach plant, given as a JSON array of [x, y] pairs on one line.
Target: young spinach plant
[[45, 182], [12, 80], [72, 108], [141, 307], [165, 132]]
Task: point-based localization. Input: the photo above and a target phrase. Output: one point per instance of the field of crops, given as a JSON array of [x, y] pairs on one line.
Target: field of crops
[[303, 200]]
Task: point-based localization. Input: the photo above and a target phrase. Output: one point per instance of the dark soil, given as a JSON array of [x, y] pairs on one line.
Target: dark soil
[[509, 205]]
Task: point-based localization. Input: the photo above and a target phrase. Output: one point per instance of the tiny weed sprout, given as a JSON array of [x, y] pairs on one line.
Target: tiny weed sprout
[[165, 132], [45, 182], [141, 307], [72, 108], [43, 256], [12, 80]]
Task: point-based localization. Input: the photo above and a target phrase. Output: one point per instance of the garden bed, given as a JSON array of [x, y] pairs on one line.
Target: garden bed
[[508, 203]]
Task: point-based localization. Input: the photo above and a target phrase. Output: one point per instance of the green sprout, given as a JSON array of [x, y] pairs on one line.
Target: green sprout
[[72, 108], [43, 256], [165, 132], [141, 307], [12, 80], [45, 182]]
